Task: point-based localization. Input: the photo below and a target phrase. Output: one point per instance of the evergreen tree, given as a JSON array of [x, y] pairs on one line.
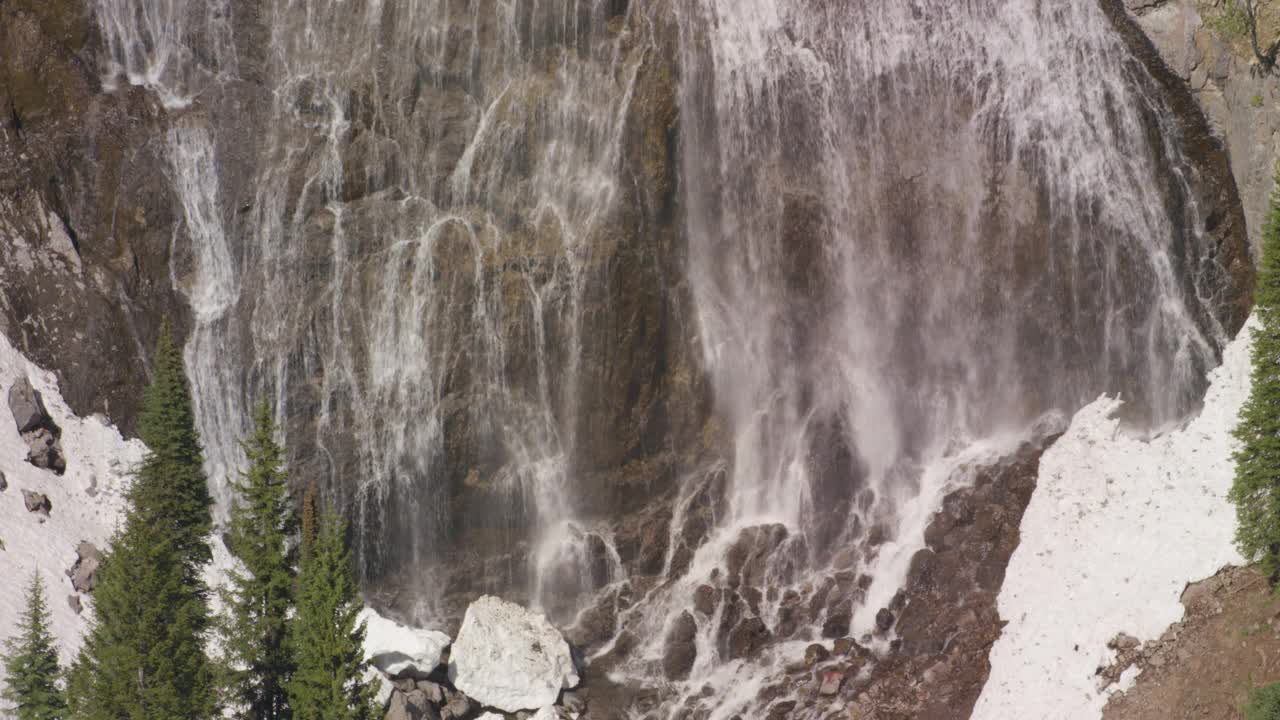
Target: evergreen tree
[[327, 636], [144, 657], [31, 664], [308, 520], [259, 598], [1256, 490]]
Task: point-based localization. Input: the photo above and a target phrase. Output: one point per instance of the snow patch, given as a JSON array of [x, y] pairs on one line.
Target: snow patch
[[1116, 529], [88, 503], [509, 658], [401, 651]]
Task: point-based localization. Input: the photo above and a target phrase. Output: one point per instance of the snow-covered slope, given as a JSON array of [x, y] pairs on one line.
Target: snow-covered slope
[[1116, 529], [97, 457]]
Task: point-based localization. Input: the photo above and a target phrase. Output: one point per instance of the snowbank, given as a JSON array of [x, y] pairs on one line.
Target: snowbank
[[87, 502], [1115, 530], [401, 651], [509, 658]]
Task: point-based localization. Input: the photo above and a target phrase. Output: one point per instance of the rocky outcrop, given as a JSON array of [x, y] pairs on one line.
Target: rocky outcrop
[[1213, 185], [1202, 667], [1241, 104], [37, 428], [84, 573], [510, 658], [86, 213]]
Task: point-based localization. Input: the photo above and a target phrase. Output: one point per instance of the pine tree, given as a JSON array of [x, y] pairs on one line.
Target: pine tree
[[1256, 490], [259, 598], [31, 664], [327, 636], [144, 657], [308, 520]]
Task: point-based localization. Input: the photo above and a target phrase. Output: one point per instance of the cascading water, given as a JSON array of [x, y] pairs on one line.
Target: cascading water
[[918, 234]]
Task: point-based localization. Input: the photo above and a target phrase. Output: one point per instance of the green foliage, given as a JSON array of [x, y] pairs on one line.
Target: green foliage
[[1263, 703], [328, 638], [1232, 20], [31, 663], [1257, 101], [308, 520], [1256, 490], [259, 598], [144, 657]]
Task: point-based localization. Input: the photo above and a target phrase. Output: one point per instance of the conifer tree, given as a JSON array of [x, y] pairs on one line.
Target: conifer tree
[[31, 663], [308, 520], [1256, 490], [259, 598], [144, 657], [327, 635]]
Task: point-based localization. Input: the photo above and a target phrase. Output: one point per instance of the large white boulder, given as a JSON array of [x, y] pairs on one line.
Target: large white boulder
[[401, 651], [509, 658]]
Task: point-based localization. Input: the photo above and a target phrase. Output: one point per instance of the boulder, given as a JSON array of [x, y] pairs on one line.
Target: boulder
[[412, 705], [456, 707], [681, 649], [37, 428], [73, 601], [84, 574], [37, 502], [4, 483], [830, 682], [509, 658], [884, 620], [27, 406], [400, 651]]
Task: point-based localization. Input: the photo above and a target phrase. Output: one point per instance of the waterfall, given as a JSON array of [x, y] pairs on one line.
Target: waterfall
[[912, 236]]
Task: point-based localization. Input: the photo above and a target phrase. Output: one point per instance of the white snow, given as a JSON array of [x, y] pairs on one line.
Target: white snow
[[509, 658], [1116, 529], [96, 455], [398, 650]]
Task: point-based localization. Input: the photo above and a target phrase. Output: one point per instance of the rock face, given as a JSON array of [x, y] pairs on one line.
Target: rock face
[[1219, 73], [84, 573], [86, 212], [510, 658], [399, 651], [36, 426]]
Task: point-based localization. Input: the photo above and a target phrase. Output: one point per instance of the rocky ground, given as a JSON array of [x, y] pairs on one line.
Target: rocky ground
[[1203, 667]]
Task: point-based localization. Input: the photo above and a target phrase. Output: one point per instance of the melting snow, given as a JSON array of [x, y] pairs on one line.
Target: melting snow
[[1116, 529], [98, 460]]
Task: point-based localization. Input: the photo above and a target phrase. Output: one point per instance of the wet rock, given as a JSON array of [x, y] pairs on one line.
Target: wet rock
[[884, 620], [748, 638], [704, 600], [73, 601], [84, 573], [37, 502], [830, 682], [509, 658], [681, 650], [4, 482], [838, 621], [815, 654]]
